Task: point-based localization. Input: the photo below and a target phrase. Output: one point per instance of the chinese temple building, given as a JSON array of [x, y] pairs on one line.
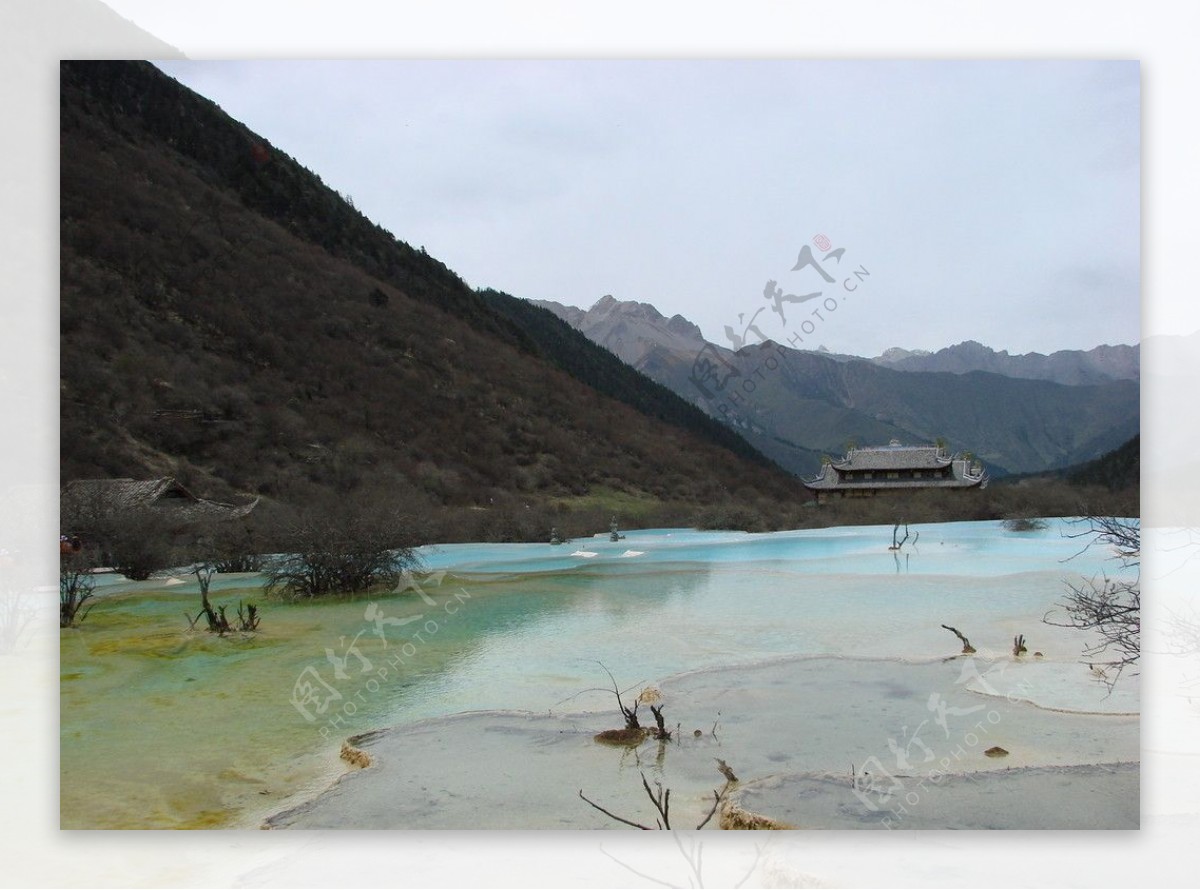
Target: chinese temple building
[[866, 472]]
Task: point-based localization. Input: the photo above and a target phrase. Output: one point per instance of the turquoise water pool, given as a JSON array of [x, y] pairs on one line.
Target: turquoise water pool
[[236, 728]]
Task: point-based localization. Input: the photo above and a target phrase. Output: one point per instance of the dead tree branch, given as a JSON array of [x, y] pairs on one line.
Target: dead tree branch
[[967, 648], [662, 801], [630, 715], [1110, 607], [896, 545], [1113, 610], [718, 796], [661, 733], [612, 815]]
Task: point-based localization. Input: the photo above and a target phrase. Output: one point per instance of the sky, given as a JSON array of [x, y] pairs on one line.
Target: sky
[[995, 201]]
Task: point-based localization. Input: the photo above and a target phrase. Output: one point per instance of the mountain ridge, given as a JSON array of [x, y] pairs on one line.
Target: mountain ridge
[[813, 402], [1072, 367]]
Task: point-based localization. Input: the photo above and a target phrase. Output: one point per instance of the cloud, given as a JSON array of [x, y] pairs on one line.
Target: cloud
[[688, 184]]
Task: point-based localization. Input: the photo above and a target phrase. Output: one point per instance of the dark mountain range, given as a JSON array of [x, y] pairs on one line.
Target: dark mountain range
[[229, 320], [1069, 366], [796, 405], [1115, 470]]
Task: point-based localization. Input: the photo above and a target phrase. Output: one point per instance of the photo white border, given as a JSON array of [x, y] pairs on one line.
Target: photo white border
[[34, 35]]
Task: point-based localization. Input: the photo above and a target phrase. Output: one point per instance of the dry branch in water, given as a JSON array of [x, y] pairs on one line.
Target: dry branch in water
[[734, 818], [660, 732], [661, 798], [633, 733], [627, 736], [967, 648]]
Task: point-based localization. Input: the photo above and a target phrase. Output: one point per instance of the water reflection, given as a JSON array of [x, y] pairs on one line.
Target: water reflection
[[526, 640]]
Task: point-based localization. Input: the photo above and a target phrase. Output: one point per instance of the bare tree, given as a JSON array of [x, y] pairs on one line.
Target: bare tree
[[1109, 606], [136, 540], [344, 550], [218, 622], [76, 585], [218, 547], [232, 546]]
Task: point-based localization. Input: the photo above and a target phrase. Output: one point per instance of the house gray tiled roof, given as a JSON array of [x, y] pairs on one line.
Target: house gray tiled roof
[[92, 498], [896, 466], [895, 457]]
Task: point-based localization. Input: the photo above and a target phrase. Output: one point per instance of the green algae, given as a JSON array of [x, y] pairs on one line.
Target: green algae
[[162, 727]]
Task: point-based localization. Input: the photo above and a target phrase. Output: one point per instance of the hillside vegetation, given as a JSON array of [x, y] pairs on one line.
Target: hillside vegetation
[[228, 319]]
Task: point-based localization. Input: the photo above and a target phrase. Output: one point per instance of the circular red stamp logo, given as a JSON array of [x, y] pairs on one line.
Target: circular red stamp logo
[[822, 242]]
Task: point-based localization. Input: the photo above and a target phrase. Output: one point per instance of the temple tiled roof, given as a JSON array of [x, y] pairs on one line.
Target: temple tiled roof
[[902, 462], [95, 497], [895, 457]]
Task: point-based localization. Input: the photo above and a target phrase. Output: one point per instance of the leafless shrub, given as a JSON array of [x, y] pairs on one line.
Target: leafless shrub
[[1023, 524], [1110, 607], [76, 585], [343, 551]]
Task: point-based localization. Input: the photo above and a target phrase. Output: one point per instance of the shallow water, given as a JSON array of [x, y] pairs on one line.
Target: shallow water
[[823, 725], [162, 728]]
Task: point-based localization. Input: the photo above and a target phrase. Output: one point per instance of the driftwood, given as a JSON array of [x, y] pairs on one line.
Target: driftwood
[[355, 756], [967, 648], [629, 737], [661, 733], [630, 714], [734, 818], [633, 733]]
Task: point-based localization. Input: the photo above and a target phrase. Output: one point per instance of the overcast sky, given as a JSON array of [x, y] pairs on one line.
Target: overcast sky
[[993, 201]]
